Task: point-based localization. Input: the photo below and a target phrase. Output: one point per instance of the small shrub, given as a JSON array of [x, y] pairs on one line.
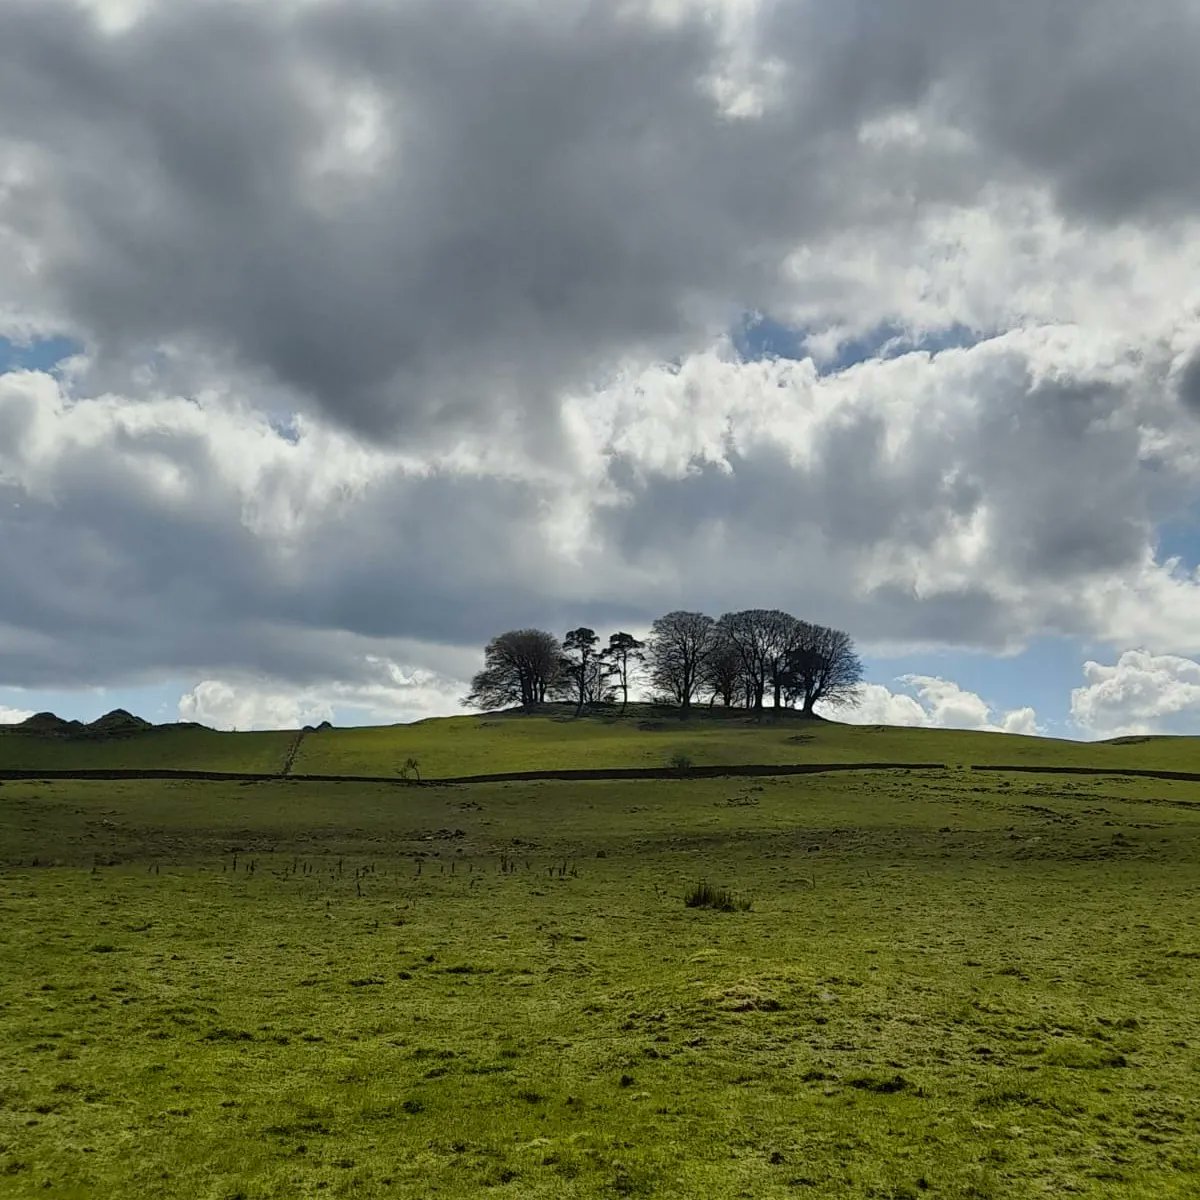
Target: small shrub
[[680, 762], [881, 1085], [705, 895]]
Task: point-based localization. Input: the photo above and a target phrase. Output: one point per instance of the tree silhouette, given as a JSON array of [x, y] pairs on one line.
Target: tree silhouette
[[823, 667], [763, 639], [519, 667], [579, 666], [626, 654], [680, 644]]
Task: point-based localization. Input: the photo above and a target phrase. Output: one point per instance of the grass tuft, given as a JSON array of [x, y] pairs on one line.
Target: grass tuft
[[705, 895]]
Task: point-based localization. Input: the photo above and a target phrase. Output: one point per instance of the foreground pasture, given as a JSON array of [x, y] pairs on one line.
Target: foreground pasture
[[949, 984]]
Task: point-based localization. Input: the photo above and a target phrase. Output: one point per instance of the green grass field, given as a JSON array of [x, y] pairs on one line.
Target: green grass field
[[455, 746], [474, 745], [951, 984], [184, 747]]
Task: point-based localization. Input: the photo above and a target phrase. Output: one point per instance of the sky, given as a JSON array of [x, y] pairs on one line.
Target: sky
[[338, 336]]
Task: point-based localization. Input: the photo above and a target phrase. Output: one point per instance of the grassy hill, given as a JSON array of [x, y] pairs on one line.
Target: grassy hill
[[181, 747], [476, 745]]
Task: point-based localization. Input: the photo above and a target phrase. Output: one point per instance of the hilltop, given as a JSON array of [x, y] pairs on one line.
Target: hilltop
[[118, 723], [553, 739]]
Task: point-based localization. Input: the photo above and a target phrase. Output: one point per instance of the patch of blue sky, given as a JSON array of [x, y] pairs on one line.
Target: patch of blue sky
[[1180, 538], [38, 354], [158, 702], [286, 427], [1041, 677], [760, 336]]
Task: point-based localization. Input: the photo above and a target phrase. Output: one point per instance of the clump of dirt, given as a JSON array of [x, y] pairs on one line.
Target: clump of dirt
[[881, 1085], [743, 997]]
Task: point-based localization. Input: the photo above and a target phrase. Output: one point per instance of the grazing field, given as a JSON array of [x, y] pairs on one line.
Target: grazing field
[[473, 745], [951, 984], [479, 745], [183, 747]]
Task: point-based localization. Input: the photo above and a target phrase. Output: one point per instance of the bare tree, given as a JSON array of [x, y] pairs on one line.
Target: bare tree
[[580, 669], [722, 674], [680, 644], [822, 668], [599, 683], [626, 654], [763, 639], [519, 667]]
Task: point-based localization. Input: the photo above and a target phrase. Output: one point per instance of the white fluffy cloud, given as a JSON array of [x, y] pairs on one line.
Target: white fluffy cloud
[[1141, 693], [241, 707], [13, 716], [973, 497], [386, 693], [937, 703]]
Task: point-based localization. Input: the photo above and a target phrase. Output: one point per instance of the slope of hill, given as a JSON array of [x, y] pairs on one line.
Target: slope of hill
[[181, 747], [500, 742]]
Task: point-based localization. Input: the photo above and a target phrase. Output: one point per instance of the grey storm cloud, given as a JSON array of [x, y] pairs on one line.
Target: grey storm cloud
[[1099, 99], [425, 229], [553, 188], [1189, 383], [551, 192]]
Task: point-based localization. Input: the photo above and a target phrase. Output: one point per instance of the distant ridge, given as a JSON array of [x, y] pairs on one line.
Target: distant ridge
[[48, 723], [116, 724]]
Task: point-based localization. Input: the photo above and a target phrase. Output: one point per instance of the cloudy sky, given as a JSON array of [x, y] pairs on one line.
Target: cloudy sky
[[338, 335]]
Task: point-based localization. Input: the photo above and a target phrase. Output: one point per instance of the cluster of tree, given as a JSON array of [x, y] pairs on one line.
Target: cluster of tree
[[737, 660], [530, 666]]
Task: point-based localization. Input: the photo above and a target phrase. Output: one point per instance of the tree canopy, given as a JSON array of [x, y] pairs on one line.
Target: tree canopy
[[519, 667], [736, 660]]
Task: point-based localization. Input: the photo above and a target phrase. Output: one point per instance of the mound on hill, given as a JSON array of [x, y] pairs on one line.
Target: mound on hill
[[117, 723], [49, 724]]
